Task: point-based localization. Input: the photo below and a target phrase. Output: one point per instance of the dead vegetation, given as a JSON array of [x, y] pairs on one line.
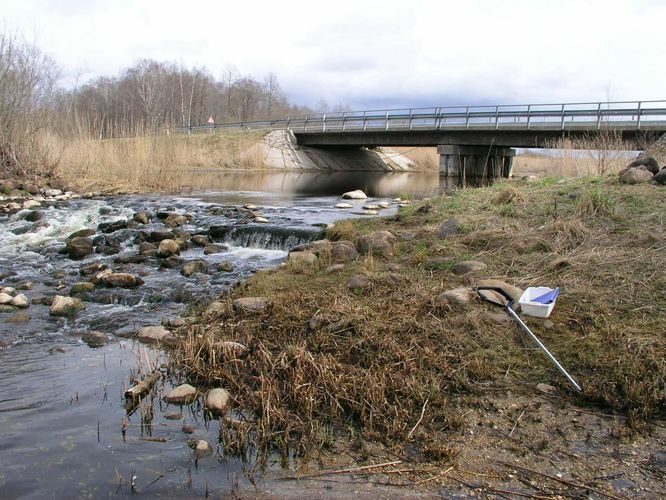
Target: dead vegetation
[[386, 365]]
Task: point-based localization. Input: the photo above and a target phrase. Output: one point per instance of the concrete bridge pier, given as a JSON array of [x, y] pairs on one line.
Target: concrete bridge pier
[[475, 162]]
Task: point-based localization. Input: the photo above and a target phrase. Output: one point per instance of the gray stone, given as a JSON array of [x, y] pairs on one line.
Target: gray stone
[[378, 243], [194, 266], [636, 175], [182, 395], [344, 205], [334, 268], [175, 220], [65, 306], [660, 177], [647, 162], [5, 299], [546, 389], [251, 304], [218, 401], [152, 334], [455, 297], [121, 280], [307, 258], [343, 251], [358, 282], [213, 249], [468, 266], [157, 236], [82, 287], [201, 240], [146, 246], [142, 217], [20, 301], [225, 267], [354, 195], [79, 247], [94, 339], [168, 247], [449, 227], [202, 448], [83, 233], [216, 307]]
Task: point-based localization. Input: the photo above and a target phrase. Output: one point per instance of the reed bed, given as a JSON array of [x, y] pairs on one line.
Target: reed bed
[[152, 163]]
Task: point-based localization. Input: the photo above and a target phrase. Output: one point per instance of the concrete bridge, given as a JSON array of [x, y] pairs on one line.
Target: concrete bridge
[[475, 141]]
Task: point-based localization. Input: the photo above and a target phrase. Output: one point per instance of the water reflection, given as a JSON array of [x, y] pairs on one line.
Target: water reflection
[[374, 184]]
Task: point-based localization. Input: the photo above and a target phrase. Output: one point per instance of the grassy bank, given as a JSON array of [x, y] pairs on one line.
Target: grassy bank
[[392, 364], [152, 163]]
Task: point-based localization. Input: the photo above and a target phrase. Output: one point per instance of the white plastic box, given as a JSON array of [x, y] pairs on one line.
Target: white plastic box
[[536, 309]]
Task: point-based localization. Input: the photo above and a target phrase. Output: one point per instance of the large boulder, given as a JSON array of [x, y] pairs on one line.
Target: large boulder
[[354, 195], [251, 304], [79, 247], [660, 177], [636, 175], [65, 306], [647, 162], [20, 301], [121, 280], [167, 248], [302, 257], [377, 243], [218, 401], [152, 334], [182, 395]]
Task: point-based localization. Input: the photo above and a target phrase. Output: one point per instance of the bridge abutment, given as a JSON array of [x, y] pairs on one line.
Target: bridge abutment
[[487, 162]]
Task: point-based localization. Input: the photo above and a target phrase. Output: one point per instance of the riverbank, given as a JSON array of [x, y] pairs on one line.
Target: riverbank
[[372, 348]]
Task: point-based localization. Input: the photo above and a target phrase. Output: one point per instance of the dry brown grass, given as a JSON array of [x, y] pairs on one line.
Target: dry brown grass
[[152, 163], [425, 159], [326, 361]]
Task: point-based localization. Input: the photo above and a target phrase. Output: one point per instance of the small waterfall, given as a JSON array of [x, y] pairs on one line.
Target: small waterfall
[[266, 237]]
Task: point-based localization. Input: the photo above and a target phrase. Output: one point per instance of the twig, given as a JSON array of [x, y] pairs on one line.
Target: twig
[[346, 471], [419, 421], [433, 477], [516, 424], [563, 481]]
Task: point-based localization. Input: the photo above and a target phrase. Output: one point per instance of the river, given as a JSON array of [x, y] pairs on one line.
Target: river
[[61, 402]]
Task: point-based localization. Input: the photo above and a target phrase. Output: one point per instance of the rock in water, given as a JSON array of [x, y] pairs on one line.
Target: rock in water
[[79, 247], [217, 401], [167, 248], [121, 280], [202, 449], [65, 306], [354, 195], [82, 287], [94, 339], [150, 334], [194, 266], [344, 205], [181, 395], [20, 301]]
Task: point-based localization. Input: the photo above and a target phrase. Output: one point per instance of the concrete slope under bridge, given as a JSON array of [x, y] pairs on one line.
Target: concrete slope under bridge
[[280, 150]]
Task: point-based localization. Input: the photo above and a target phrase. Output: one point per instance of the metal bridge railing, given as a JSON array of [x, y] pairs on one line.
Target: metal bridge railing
[[622, 115]]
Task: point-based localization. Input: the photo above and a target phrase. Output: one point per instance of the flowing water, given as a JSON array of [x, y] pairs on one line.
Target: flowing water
[[62, 408]]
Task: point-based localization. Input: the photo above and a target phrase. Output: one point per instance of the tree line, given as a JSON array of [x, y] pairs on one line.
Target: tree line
[[150, 97]]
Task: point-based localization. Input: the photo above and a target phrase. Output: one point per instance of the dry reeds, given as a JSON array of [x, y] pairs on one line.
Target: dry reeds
[[158, 163]]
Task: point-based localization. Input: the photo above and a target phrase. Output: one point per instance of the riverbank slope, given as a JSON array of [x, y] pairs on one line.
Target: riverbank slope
[[372, 346]]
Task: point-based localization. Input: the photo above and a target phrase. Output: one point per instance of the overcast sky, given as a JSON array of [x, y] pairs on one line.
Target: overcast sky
[[371, 54]]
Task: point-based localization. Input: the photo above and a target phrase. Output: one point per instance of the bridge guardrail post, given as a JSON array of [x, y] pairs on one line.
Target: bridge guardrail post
[[305, 124], [467, 117], [529, 110], [323, 123], [410, 119], [287, 127], [387, 120], [365, 116], [344, 115], [638, 119], [562, 118], [496, 117], [598, 116]]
